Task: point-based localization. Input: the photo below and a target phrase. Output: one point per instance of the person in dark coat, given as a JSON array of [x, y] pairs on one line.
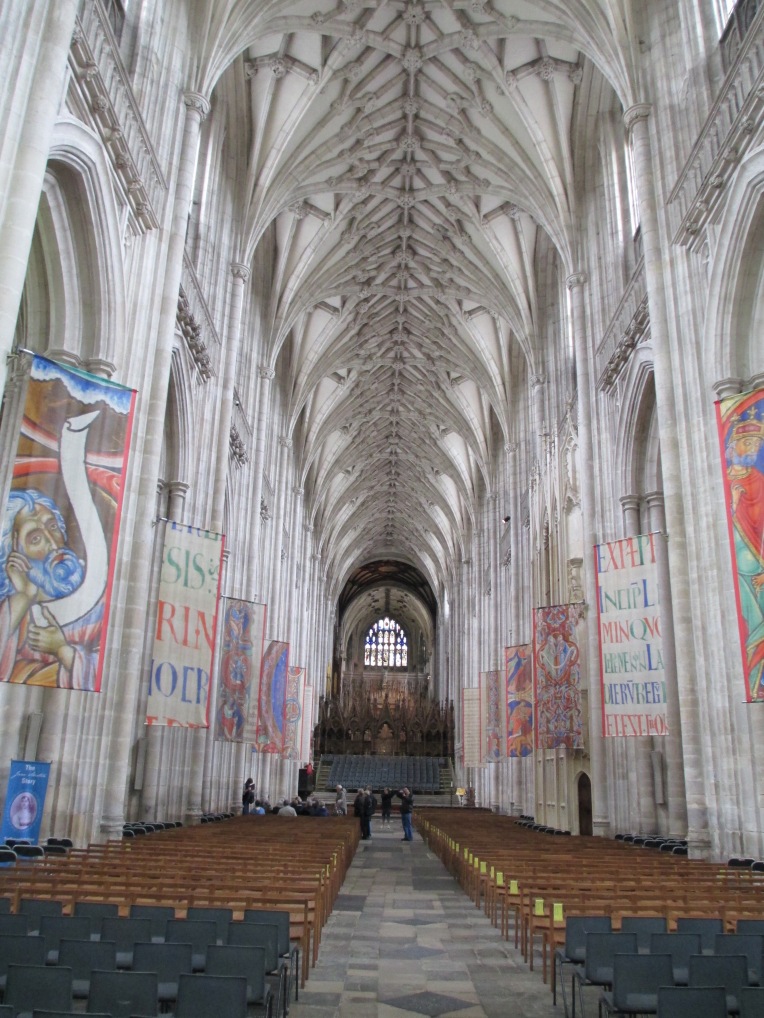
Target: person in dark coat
[[387, 807], [358, 808], [407, 808], [247, 795]]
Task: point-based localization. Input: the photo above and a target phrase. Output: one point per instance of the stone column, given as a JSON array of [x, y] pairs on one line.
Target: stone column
[[255, 582], [639, 748], [118, 740], [672, 463], [671, 745], [575, 284], [240, 274], [27, 141]]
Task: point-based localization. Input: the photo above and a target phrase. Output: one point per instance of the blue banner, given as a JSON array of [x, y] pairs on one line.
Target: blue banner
[[25, 800]]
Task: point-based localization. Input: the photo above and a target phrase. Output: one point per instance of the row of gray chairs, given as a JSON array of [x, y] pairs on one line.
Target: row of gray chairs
[[99, 921], [34, 989]]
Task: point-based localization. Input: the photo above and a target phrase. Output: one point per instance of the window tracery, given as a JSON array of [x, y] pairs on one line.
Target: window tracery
[[386, 645]]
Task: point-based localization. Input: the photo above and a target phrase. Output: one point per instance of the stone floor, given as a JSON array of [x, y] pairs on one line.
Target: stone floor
[[403, 939]]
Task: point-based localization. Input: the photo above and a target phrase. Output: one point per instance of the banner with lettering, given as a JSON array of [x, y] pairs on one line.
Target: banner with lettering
[[272, 697], [473, 753], [519, 700], [741, 434], [630, 635], [184, 639], [557, 676], [61, 526], [241, 653], [306, 726], [293, 712], [25, 800], [493, 720]]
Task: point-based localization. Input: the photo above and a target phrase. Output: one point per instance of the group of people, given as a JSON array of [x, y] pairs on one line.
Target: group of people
[[365, 806], [251, 805]]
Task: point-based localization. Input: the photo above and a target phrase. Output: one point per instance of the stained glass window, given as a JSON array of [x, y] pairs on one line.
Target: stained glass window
[[386, 646]]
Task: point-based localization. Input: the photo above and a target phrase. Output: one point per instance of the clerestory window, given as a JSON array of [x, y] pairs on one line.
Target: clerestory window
[[386, 646]]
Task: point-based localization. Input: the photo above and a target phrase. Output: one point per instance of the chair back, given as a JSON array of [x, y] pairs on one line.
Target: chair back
[[44, 987], [36, 908], [157, 915], [55, 928], [168, 961], [749, 944], [222, 916], [95, 911], [751, 1001], [201, 996], [636, 980], [706, 926], [601, 949], [680, 946], [16, 924], [240, 960], [692, 1002], [82, 956], [576, 929], [122, 994], [19, 950], [265, 935], [644, 926], [729, 971], [125, 933], [275, 916]]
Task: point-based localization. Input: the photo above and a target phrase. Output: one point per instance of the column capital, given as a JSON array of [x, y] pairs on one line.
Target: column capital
[[629, 502], [639, 111], [265, 372], [576, 279], [728, 387], [653, 499], [101, 368], [240, 271], [197, 102], [178, 488], [536, 381]]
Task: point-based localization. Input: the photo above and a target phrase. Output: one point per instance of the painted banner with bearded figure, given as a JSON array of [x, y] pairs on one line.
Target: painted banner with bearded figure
[[61, 526], [519, 678], [493, 720], [741, 433], [241, 653], [272, 698], [557, 676]]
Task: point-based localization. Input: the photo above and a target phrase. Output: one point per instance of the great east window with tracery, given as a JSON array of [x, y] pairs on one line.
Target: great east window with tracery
[[386, 646]]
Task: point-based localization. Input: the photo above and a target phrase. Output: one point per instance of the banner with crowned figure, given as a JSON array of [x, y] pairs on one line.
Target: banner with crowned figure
[[184, 635], [61, 526], [557, 676], [518, 672], [241, 653], [272, 697], [741, 433]]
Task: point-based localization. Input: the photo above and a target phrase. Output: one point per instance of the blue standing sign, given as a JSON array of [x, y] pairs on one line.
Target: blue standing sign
[[25, 800]]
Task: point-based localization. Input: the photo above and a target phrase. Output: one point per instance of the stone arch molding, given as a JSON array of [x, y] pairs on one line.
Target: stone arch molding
[[90, 261], [636, 459], [735, 309]]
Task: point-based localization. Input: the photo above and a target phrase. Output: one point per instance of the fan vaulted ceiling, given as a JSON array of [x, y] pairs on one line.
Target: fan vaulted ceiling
[[408, 164]]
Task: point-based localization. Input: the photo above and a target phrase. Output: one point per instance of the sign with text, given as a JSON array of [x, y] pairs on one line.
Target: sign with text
[[184, 639], [25, 800], [741, 434], [630, 635], [472, 744]]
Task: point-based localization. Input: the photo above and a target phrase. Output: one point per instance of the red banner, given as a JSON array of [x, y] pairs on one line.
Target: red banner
[[557, 676]]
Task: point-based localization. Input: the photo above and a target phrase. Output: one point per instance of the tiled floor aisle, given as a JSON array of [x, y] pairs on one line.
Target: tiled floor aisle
[[404, 940]]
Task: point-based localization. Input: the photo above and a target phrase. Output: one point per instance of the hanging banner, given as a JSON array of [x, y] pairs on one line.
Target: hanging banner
[[184, 640], [25, 800], [630, 635], [473, 754], [519, 700], [60, 528], [557, 676], [493, 721], [306, 726], [741, 434], [272, 698], [241, 654], [293, 712]]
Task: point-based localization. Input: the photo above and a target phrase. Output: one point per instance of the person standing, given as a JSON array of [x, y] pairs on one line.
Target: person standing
[[358, 809], [247, 796], [369, 809], [341, 801], [387, 806], [407, 808]]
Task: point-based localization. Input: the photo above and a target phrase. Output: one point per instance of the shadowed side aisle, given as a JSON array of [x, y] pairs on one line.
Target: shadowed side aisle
[[404, 939]]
